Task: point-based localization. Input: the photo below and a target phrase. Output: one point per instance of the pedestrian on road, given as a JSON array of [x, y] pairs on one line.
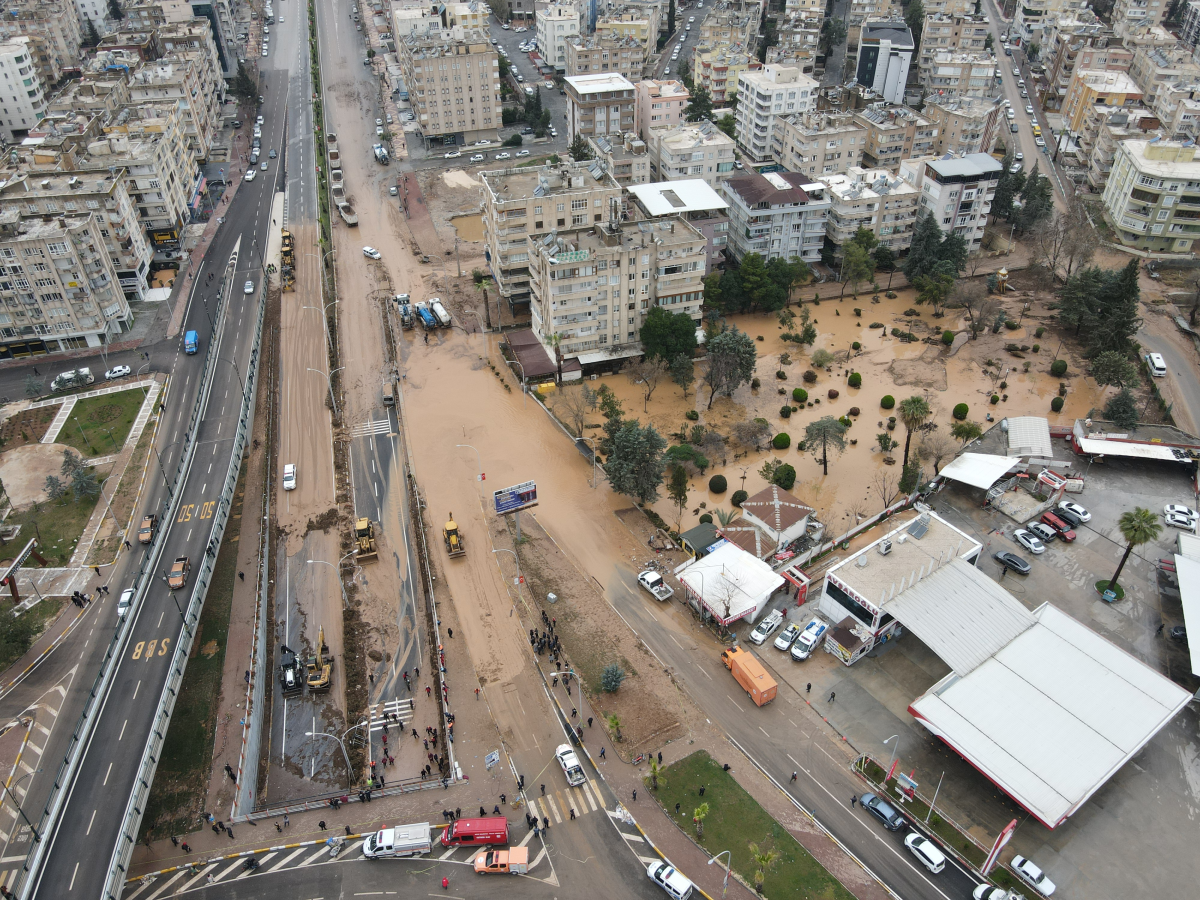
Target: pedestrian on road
[[414, 734], [503, 798], [602, 753], [128, 546], [242, 576], [572, 814], [427, 690], [808, 688], [229, 831], [589, 721], [476, 693], [445, 881], [660, 757], [635, 795], [215, 829], [35, 371], [853, 800], [450, 631], [574, 712], [457, 812], [321, 824], [545, 823], [793, 778], [175, 840], [1159, 630], [543, 790], [286, 821], [279, 828], [426, 743], [186, 848], [832, 696], [496, 810]]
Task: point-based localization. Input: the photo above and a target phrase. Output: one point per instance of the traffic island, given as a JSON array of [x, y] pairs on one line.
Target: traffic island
[[728, 818]]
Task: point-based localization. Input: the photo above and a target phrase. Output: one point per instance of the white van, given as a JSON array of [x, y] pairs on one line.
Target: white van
[[404, 840], [925, 850], [1158, 365], [670, 879]]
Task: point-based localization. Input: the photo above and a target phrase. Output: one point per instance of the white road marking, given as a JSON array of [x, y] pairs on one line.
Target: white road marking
[[93, 818], [122, 734]]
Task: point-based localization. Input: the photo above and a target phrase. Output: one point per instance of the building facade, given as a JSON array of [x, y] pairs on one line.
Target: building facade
[[956, 191], [1152, 198], [22, 94], [1089, 89], [659, 104], [885, 53], [818, 144], [764, 96], [895, 133], [697, 150], [874, 199], [599, 105], [557, 25], [454, 85], [779, 215], [965, 124], [593, 55]]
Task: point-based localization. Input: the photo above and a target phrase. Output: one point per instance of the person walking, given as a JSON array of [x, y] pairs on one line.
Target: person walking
[[702, 790], [572, 814], [286, 821], [635, 795], [660, 757], [832, 696], [175, 840], [184, 846], [589, 721], [543, 790], [853, 800], [545, 823], [808, 688], [445, 881], [321, 825], [676, 809], [793, 778], [602, 753]]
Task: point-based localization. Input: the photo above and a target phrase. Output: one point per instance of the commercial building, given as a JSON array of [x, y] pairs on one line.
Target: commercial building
[[818, 144], [885, 53], [779, 215], [874, 199], [1089, 89], [965, 124], [765, 95], [557, 25], [730, 584], [1152, 198], [895, 133], [599, 105], [695, 201], [956, 191], [690, 151], [454, 85], [659, 104], [22, 94], [594, 54]]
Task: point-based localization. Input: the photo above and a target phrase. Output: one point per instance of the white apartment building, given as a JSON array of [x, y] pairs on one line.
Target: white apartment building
[[624, 157], [599, 105], [943, 32], [764, 95], [885, 53], [409, 21], [1190, 33], [874, 199], [862, 10], [453, 85], [792, 7], [694, 201], [696, 150], [1152, 198], [1034, 17], [965, 124], [956, 191], [96, 10], [779, 215], [659, 104], [22, 94], [818, 144], [557, 25], [954, 73], [54, 30]]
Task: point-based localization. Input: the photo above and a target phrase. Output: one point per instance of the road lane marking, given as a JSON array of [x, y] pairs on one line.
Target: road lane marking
[[74, 872], [287, 859], [554, 809], [760, 728], [93, 818], [122, 734], [105, 782], [138, 686], [734, 702]]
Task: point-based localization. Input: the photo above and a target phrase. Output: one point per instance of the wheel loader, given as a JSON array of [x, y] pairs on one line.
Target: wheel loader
[[453, 538]]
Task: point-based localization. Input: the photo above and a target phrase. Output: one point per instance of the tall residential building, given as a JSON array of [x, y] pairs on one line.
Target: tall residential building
[[694, 201], [624, 157], [522, 203], [819, 144], [695, 150], [956, 191], [779, 215], [1153, 67], [1152, 198], [1190, 33], [1090, 89], [955, 73], [454, 85], [1033, 18], [1079, 46], [964, 124], [641, 25], [1103, 132], [895, 133], [22, 94], [1129, 15], [862, 10], [598, 105], [58, 288], [408, 21], [717, 71], [557, 25], [732, 26], [659, 104], [764, 96], [1178, 109], [797, 40], [885, 53], [54, 30], [943, 32], [874, 199], [950, 7], [95, 10], [594, 54]]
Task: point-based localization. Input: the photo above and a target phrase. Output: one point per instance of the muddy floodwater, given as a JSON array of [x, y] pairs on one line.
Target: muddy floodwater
[[469, 228]]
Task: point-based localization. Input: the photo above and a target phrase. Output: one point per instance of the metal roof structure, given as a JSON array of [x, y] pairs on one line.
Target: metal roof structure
[[730, 582], [664, 198], [1029, 436], [980, 470], [1188, 570], [1136, 451], [1051, 716], [776, 509]]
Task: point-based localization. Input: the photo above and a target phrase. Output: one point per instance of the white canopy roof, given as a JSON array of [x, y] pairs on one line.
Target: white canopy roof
[[980, 470], [1053, 715], [1029, 436], [730, 582], [1129, 448], [1189, 594]]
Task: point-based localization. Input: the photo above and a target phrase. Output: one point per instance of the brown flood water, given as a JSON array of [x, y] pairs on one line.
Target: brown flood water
[[469, 228]]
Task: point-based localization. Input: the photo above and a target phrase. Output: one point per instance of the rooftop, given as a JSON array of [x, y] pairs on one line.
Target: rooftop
[[894, 30], [666, 198], [665, 90], [776, 508], [691, 134], [601, 82], [509, 185], [730, 582], [775, 188], [950, 166], [1028, 436]]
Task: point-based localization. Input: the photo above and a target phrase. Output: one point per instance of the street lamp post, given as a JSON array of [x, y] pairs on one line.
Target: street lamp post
[[728, 865], [179, 608], [329, 379], [37, 838], [896, 738], [478, 459], [592, 441], [337, 570], [108, 503], [518, 559], [342, 744]]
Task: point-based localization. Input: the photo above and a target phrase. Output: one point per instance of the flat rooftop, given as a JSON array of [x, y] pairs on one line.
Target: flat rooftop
[[664, 198], [508, 185], [599, 83]]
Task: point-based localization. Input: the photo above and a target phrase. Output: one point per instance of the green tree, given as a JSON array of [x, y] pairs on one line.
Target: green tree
[[914, 17], [610, 682], [866, 239], [114, 11], [54, 490], [923, 254], [1113, 368], [885, 261], [1138, 526], [699, 814], [786, 275], [667, 335], [1078, 301], [757, 287], [1121, 410], [91, 37], [634, 464], [764, 857], [671, 18], [770, 37], [728, 124], [857, 266], [84, 484], [823, 435], [833, 34], [965, 431], [934, 289], [677, 490], [16, 635], [886, 443], [614, 416], [912, 412], [579, 149], [683, 372], [33, 385], [1119, 318], [700, 106], [989, 42], [1008, 187], [731, 361], [243, 85]]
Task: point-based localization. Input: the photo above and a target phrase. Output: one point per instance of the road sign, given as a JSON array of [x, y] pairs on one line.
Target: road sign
[[491, 759], [516, 498]]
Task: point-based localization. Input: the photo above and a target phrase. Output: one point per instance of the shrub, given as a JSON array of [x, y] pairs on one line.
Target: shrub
[[854, 411], [785, 477], [856, 346], [611, 678], [833, 394], [855, 380], [781, 375], [514, 141], [876, 325], [912, 311], [800, 395], [995, 399], [1058, 368], [809, 376], [857, 311], [692, 416], [717, 484], [888, 401], [1037, 348], [845, 421], [891, 295], [1039, 332], [947, 337], [706, 519], [785, 411], [781, 441], [738, 498], [802, 446], [960, 411], [1056, 404], [755, 384], [1011, 325], [1003, 385]]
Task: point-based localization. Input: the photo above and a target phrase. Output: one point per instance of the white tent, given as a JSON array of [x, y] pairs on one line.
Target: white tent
[[980, 470], [731, 583]]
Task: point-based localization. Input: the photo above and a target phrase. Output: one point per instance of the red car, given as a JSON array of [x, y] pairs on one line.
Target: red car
[[1061, 528]]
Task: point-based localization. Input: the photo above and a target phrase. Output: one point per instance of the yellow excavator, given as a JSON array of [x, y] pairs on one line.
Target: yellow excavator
[[320, 667], [454, 541]]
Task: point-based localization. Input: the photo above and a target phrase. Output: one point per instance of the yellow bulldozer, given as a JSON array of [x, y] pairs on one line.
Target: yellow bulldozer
[[287, 261], [320, 667], [364, 540], [453, 538]]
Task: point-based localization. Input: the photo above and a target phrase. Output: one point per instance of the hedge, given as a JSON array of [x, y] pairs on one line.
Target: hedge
[[960, 411], [799, 395], [1058, 368], [888, 401], [781, 441], [855, 380]]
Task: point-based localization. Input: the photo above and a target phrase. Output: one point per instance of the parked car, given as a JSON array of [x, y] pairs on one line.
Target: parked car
[[1059, 526], [1180, 510], [522, 153], [117, 372], [393, 191], [1028, 872], [1044, 533], [1177, 520], [248, 288], [500, 156], [124, 603], [807, 642], [1014, 562], [1029, 541], [789, 634], [1070, 518], [1039, 141], [372, 253], [883, 811], [252, 174], [478, 157], [926, 851], [766, 627], [454, 154], [1016, 72], [1029, 108]]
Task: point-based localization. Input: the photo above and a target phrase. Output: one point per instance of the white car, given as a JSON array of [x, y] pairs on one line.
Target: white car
[[289, 477], [1029, 108], [522, 153], [987, 891], [259, 121], [372, 253], [1032, 875], [809, 639], [653, 582], [789, 634], [1175, 508], [124, 603], [1076, 510], [478, 157], [1175, 520], [569, 761], [1039, 141], [499, 156], [670, 879], [454, 154], [249, 288], [926, 851], [691, 19], [766, 627], [379, 121], [251, 175], [1029, 541], [1016, 72], [117, 372]]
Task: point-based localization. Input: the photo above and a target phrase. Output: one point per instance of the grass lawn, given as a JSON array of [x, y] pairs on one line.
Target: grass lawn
[[734, 821], [59, 523], [98, 426], [181, 782]]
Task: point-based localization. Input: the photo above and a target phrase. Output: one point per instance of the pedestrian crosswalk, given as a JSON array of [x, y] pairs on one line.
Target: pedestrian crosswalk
[[370, 427], [561, 804], [384, 715]]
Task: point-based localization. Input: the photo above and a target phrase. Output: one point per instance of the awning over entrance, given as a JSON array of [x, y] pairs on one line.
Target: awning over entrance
[[980, 470]]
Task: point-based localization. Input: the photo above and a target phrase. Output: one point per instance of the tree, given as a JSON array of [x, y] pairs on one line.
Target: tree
[[614, 417], [677, 490], [886, 443], [934, 289], [610, 682], [114, 11], [770, 37], [885, 485], [683, 372], [667, 335], [786, 275], [671, 18], [823, 435], [857, 266], [1112, 368], [699, 814], [1138, 526], [33, 385], [752, 433], [579, 149], [634, 464], [573, 404], [833, 34], [821, 358], [1121, 410], [764, 858], [84, 484], [54, 488], [912, 412], [926, 244], [914, 18], [885, 261], [647, 374], [91, 37], [936, 446], [989, 42], [1066, 239], [243, 85], [700, 106], [731, 360], [16, 635], [978, 304], [1007, 188], [757, 286], [965, 432], [1119, 316], [728, 124]]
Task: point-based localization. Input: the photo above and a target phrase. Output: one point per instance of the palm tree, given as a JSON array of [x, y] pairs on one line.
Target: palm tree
[[699, 814], [555, 342], [1138, 526], [615, 724], [652, 778], [764, 859], [913, 412], [482, 285], [725, 516]]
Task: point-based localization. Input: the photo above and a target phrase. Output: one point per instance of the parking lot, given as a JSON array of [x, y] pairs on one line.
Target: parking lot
[[1129, 839]]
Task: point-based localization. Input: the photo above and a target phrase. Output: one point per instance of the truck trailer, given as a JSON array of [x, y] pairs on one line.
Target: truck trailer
[[750, 674]]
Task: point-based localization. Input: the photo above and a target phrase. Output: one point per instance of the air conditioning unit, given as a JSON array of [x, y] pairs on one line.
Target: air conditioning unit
[[885, 547]]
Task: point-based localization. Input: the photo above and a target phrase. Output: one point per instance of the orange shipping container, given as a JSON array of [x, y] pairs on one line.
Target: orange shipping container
[[750, 674]]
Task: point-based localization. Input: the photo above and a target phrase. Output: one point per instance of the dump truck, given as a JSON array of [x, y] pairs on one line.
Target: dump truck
[[335, 177], [750, 674], [425, 315], [331, 148], [72, 379], [320, 667], [513, 861], [404, 304], [146, 531], [178, 575], [454, 541], [339, 194], [364, 538], [287, 248], [291, 673], [381, 154], [439, 311], [349, 216]]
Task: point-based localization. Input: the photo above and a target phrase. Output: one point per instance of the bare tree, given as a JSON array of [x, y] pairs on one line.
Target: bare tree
[[979, 305], [887, 486], [572, 405], [752, 433], [647, 373], [936, 447], [713, 445], [1066, 240], [857, 510]]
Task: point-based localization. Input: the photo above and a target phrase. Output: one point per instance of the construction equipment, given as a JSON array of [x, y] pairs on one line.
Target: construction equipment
[[287, 261], [320, 667], [454, 541], [291, 673], [364, 537]]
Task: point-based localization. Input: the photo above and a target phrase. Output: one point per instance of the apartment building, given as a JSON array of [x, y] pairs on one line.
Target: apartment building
[[717, 71], [599, 105], [641, 25], [1034, 17], [960, 74], [1080, 46], [521, 204], [99, 91], [412, 21], [733, 26], [862, 10], [950, 32], [874, 199], [141, 44], [592, 289], [195, 83], [957, 191], [778, 215], [695, 201], [557, 25], [453, 84], [765, 95], [796, 7], [698, 150], [1103, 130], [1156, 67], [1129, 15], [885, 53], [1190, 33], [949, 7], [1178, 108], [82, 194], [1088, 89], [591, 55], [659, 104], [466, 15], [54, 30], [22, 94], [797, 40], [96, 10], [1152, 198], [965, 124], [818, 144], [57, 285], [623, 156], [895, 133]]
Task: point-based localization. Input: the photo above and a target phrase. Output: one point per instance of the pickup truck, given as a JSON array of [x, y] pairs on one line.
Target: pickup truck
[[513, 861], [178, 575], [149, 526], [653, 582], [570, 765]]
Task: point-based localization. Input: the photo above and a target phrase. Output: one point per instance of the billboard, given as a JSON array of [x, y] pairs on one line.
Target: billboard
[[516, 498]]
